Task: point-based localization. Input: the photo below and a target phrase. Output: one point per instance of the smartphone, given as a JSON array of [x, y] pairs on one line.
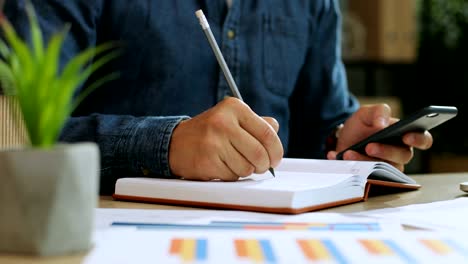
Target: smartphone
[[421, 120]]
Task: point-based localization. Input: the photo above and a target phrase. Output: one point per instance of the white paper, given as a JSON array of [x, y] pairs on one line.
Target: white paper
[[450, 215], [131, 246], [106, 217]]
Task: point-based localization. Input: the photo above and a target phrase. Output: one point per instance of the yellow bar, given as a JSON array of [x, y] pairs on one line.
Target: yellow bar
[[254, 250], [319, 249], [376, 247], [296, 227], [188, 250]]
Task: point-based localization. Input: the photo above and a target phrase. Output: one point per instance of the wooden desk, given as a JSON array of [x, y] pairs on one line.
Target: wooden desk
[[436, 187]]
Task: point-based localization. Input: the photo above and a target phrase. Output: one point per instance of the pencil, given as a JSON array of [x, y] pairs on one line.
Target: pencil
[[219, 56]]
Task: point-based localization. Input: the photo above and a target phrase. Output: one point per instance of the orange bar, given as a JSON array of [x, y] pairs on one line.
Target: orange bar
[[241, 247], [436, 246], [370, 246], [176, 245], [305, 247]]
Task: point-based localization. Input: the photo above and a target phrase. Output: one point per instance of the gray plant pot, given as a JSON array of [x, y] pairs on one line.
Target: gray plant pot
[[47, 199]]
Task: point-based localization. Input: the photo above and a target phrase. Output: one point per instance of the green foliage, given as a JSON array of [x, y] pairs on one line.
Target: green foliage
[[448, 19], [30, 73]]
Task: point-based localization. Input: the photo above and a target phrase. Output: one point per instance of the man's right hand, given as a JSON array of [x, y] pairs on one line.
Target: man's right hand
[[225, 142]]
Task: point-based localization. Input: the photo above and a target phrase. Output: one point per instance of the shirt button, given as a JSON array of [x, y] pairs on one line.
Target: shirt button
[[231, 34]]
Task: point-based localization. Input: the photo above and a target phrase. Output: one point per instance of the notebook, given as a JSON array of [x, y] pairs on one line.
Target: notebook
[[300, 185]]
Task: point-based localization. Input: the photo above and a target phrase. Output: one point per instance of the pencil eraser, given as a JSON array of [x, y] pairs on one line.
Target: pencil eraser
[[202, 19], [199, 13]]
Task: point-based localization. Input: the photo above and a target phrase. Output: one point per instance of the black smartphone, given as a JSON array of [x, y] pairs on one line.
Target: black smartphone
[[421, 120]]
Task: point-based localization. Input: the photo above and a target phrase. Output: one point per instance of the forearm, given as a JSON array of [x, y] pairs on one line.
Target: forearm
[[130, 146]]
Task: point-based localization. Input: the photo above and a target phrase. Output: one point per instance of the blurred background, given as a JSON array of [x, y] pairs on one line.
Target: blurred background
[[407, 53], [410, 54]]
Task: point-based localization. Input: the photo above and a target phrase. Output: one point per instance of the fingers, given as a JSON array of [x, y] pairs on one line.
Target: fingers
[[225, 142], [390, 153], [395, 158], [421, 141], [252, 150], [237, 163], [273, 123], [377, 115], [268, 139], [258, 140]]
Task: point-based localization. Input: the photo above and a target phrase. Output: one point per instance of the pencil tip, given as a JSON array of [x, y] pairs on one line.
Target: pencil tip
[[272, 172]]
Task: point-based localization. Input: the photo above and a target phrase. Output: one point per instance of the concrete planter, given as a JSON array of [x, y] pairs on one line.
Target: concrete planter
[[47, 199]]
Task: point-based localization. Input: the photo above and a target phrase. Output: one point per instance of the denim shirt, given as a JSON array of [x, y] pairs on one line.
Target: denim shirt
[[284, 56]]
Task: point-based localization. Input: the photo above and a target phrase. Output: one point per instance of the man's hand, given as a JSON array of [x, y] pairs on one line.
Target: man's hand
[[225, 142], [370, 119]]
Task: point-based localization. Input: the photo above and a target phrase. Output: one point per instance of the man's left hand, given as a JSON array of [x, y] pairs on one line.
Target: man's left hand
[[368, 120]]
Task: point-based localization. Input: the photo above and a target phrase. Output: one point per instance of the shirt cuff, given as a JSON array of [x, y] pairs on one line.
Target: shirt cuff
[[148, 145]]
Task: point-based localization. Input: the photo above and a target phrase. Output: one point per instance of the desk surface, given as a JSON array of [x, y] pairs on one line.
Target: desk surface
[[435, 187]]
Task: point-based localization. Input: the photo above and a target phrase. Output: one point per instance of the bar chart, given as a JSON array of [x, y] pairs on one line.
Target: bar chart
[[270, 246], [286, 226]]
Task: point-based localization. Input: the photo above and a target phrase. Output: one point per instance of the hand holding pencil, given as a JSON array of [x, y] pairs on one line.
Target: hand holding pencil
[[220, 58], [225, 142]]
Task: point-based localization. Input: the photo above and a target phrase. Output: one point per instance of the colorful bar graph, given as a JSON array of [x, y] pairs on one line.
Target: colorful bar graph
[[320, 250], [259, 226], [385, 248], [188, 249], [255, 250], [444, 247], [437, 246], [315, 226]]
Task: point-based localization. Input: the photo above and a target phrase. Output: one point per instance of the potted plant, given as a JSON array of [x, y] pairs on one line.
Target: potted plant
[[48, 189]]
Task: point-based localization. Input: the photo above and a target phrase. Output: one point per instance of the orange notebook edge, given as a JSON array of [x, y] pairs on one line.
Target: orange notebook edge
[[371, 182], [278, 210]]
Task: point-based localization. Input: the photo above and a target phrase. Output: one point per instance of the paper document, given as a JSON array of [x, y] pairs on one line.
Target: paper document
[[237, 220], [450, 215], [150, 246]]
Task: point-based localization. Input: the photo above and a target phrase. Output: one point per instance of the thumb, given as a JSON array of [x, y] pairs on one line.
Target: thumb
[[272, 122], [376, 115]]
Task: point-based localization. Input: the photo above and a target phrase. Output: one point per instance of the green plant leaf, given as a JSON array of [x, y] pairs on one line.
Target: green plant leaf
[[21, 50], [4, 50], [6, 79], [36, 34], [46, 95]]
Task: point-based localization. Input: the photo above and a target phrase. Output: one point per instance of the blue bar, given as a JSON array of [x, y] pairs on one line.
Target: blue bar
[[175, 226], [334, 251], [267, 251], [201, 249], [457, 247], [400, 251], [248, 223], [356, 227], [242, 225]]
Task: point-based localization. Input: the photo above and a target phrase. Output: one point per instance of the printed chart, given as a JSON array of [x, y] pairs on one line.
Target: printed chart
[[170, 246], [287, 226]]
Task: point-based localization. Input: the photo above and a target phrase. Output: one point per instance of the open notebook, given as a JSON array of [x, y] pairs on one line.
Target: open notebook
[[300, 185]]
